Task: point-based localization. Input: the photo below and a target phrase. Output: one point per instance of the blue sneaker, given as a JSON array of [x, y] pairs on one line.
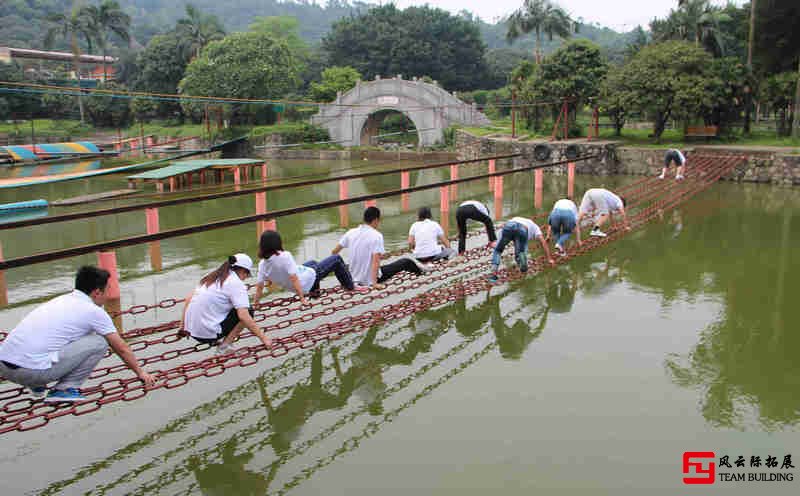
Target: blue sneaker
[[37, 392], [493, 278], [69, 395]]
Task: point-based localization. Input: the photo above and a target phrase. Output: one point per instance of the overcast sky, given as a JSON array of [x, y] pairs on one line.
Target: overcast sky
[[622, 15]]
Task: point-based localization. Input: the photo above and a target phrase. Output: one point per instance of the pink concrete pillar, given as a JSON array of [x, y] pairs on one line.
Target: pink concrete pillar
[[492, 170], [237, 176], [370, 203], [538, 179], [571, 180], [264, 171], [453, 187], [152, 223], [344, 215], [172, 184], [498, 197], [405, 182], [444, 199], [261, 208], [108, 260], [246, 173]]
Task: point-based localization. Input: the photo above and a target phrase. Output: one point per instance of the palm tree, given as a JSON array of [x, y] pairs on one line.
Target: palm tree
[[70, 27], [197, 30], [105, 18], [695, 20], [539, 16]]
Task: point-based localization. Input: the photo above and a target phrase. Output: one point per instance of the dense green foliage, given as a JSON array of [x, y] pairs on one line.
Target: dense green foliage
[[334, 80], [417, 41]]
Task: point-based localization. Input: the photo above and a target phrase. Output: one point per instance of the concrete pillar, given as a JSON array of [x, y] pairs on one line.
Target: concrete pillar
[[538, 179], [444, 199], [405, 182], [453, 187], [160, 186], [172, 184], [3, 285], [246, 173], [108, 260], [237, 176], [498, 197], [492, 170], [370, 203], [344, 217], [152, 223], [264, 171], [261, 208], [571, 180]]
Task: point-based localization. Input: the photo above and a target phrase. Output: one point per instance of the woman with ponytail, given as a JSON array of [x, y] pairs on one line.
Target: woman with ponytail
[[278, 266], [219, 308]]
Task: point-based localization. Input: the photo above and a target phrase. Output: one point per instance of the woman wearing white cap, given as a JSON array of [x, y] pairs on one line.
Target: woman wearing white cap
[[219, 308]]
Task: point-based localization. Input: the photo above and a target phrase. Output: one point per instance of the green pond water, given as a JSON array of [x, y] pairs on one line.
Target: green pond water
[[591, 378]]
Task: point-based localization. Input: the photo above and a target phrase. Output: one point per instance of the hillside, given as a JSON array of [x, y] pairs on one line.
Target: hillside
[[22, 21]]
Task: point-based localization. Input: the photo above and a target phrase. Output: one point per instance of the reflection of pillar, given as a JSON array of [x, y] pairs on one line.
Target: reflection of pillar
[[571, 180], [492, 170], [370, 203], [498, 197], [444, 199], [405, 182], [108, 260], [261, 208], [151, 220], [453, 187], [538, 179], [344, 219], [3, 285], [446, 225]]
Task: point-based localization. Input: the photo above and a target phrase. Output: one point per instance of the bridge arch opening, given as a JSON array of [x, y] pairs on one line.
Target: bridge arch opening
[[389, 126]]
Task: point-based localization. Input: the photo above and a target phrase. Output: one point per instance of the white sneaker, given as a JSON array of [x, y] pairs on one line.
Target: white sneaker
[[225, 349], [560, 250], [425, 268], [679, 178], [598, 233], [661, 176]]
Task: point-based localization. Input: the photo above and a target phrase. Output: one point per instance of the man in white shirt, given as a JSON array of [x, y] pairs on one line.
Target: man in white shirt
[[563, 220], [62, 341], [520, 230], [601, 203], [365, 243], [425, 237], [676, 156]]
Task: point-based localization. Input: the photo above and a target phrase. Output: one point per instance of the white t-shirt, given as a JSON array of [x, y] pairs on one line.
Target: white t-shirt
[[211, 304], [565, 204], [533, 229], [363, 242], [680, 155], [37, 339], [426, 235], [480, 206], [601, 199], [278, 268]]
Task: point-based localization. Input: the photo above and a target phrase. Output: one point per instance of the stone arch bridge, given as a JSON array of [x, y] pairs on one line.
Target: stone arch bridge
[[357, 115]]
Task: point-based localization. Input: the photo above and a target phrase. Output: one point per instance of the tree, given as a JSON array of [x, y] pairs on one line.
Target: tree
[[539, 16], [334, 80], [108, 111], [416, 41], [282, 28], [668, 80], [107, 18], [573, 72], [694, 20], [611, 102], [500, 62], [196, 30], [777, 91], [161, 66], [70, 27], [241, 65]]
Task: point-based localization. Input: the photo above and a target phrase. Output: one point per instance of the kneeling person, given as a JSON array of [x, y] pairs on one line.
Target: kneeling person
[[63, 340], [425, 237], [562, 221], [676, 156], [601, 203]]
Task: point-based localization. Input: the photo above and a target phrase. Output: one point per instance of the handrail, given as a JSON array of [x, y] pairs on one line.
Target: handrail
[[236, 221]]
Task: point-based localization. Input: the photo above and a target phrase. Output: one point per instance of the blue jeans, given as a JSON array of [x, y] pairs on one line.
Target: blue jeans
[[512, 231], [335, 264], [562, 222]]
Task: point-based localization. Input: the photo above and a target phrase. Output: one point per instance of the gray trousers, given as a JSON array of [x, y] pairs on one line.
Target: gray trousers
[[76, 361]]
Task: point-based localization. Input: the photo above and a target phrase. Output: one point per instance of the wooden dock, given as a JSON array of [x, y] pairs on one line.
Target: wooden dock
[[180, 174]]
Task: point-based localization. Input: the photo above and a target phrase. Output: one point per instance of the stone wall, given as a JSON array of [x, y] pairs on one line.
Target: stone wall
[[378, 155], [762, 165]]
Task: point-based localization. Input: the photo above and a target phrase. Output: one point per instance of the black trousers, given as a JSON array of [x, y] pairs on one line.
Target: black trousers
[[470, 212], [404, 264], [226, 325]]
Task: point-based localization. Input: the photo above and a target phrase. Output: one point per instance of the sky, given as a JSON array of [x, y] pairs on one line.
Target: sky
[[621, 15]]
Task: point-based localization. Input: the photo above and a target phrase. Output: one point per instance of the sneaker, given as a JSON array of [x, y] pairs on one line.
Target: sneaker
[[522, 261], [493, 278], [225, 349], [661, 176], [37, 392], [69, 395], [598, 233], [425, 268], [679, 178], [560, 250]]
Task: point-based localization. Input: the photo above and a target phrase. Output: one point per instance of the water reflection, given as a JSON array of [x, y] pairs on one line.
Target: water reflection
[[230, 476]]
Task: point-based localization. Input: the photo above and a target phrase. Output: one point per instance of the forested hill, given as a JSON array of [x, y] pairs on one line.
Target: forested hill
[[22, 21]]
